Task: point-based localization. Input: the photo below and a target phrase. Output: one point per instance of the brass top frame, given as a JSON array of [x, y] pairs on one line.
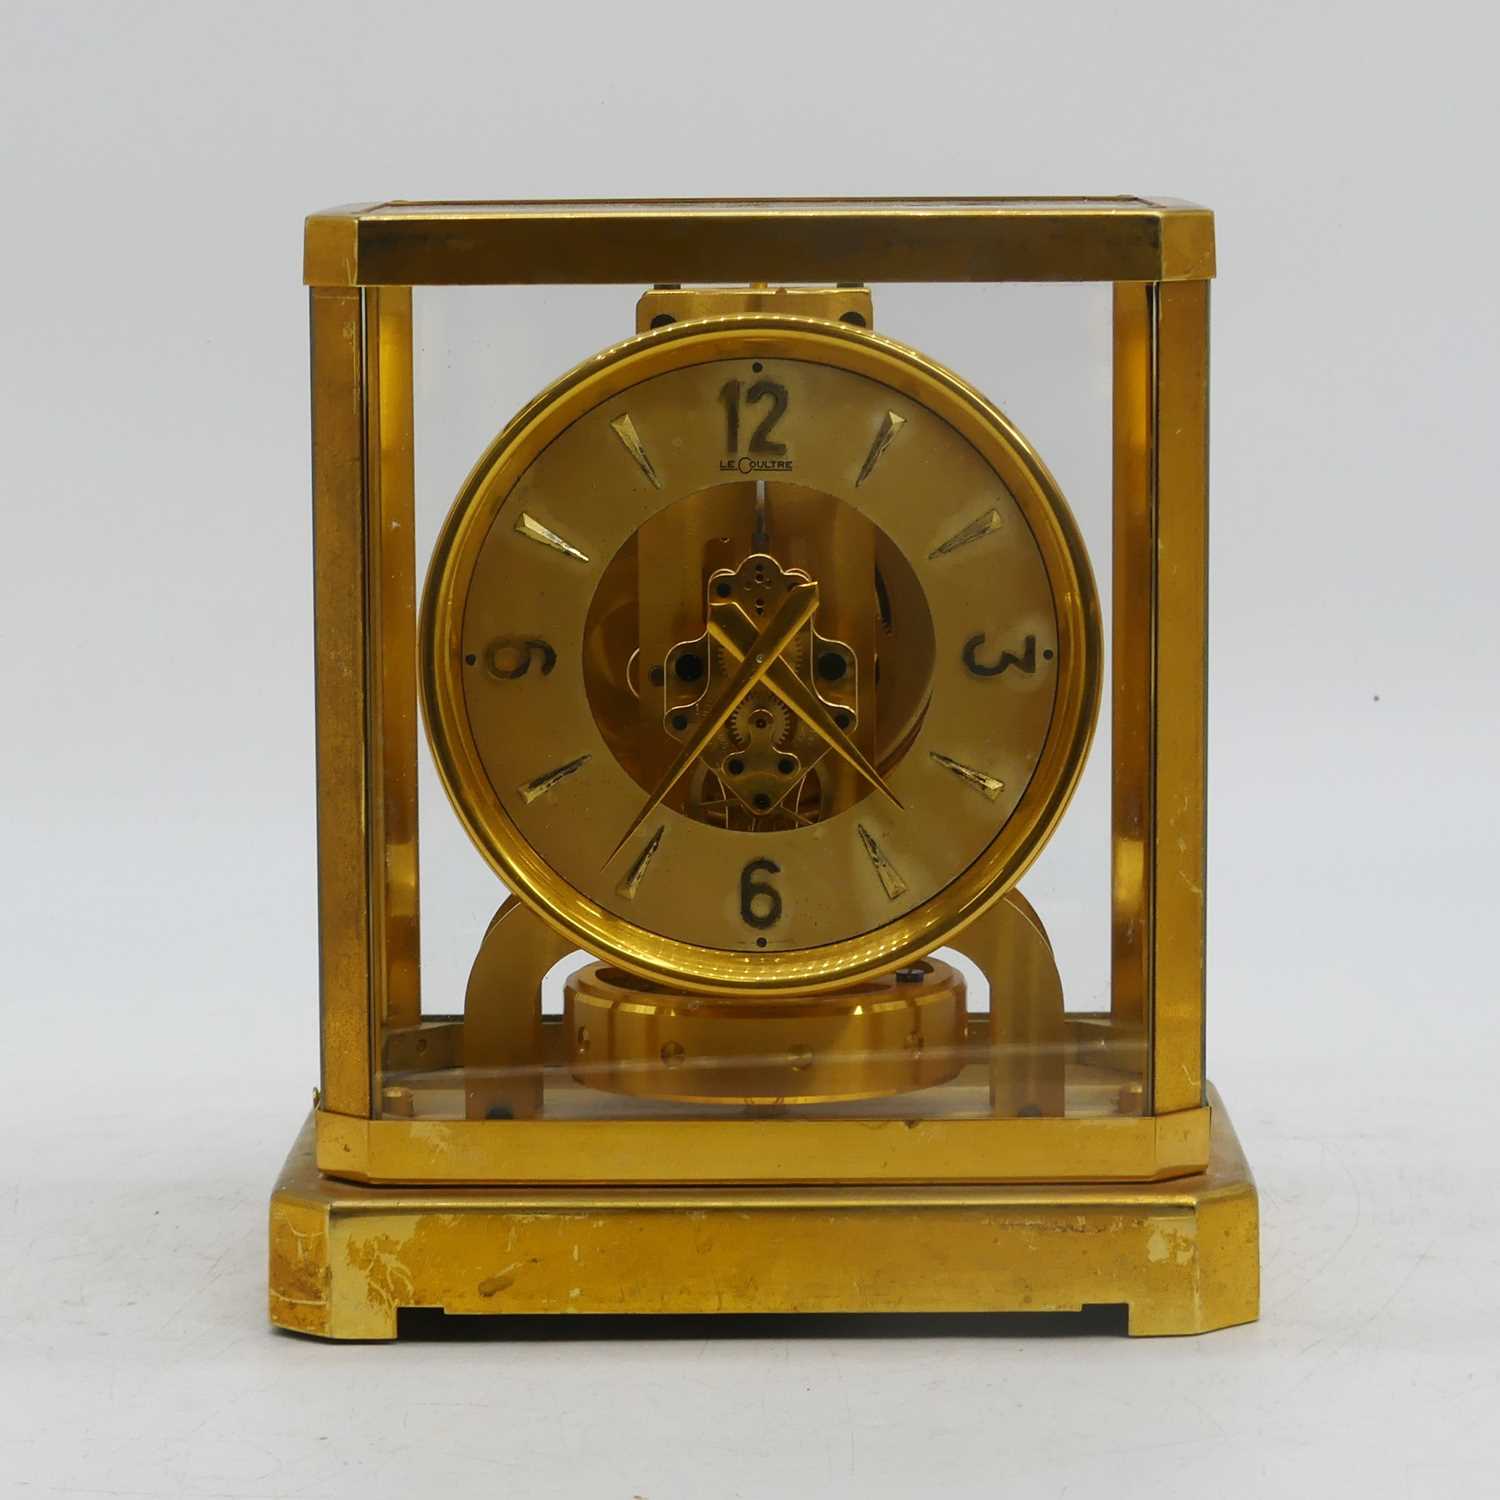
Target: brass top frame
[[788, 239]]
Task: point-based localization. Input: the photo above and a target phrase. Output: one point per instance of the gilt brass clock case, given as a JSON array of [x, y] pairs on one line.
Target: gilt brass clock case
[[645, 1146], [447, 655]]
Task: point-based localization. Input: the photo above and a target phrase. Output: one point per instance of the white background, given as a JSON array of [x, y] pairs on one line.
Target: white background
[[158, 957]]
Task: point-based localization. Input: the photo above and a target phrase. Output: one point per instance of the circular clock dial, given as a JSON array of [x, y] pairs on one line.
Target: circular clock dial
[[759, 653]]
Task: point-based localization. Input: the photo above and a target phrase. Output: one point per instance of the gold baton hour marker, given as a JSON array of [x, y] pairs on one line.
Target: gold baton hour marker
[[991, 786], [890, 876], [534, 531], [990, 521], [637, 872], [624, 429], [892, 424], [539, 786]]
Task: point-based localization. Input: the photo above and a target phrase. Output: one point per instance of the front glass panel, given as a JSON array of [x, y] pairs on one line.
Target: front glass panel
[[626, 575]]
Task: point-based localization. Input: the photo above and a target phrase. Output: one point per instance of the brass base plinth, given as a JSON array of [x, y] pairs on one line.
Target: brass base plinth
[[889, 1035], [1182, 1256]]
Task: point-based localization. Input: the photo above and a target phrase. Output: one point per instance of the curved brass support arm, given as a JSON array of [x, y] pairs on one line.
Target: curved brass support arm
[[503, 1014], [502, 1046], [1027, 1038]]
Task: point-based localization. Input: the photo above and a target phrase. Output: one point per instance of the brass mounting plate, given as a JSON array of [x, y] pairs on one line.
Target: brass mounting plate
[[1182, 1256], [679, 304]]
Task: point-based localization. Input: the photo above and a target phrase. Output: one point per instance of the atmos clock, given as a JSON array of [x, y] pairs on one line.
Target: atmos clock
[[759, 656]]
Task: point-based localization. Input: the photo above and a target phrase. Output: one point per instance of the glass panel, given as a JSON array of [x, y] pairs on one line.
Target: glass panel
[[598, 580]]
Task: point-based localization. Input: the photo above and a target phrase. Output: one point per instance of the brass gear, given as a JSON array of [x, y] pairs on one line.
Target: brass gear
[[760, 701]]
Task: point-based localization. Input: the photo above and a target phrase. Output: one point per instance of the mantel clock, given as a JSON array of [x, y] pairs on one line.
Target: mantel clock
[[759, 656]]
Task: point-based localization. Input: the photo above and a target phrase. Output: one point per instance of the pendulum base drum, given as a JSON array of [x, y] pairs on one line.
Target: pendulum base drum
[[900, 1032]]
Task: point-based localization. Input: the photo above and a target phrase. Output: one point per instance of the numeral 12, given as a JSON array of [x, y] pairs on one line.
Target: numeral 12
[[760, 440]]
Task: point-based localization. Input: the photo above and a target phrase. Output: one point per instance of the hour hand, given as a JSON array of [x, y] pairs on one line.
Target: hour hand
[[760, 656], [733, 630]]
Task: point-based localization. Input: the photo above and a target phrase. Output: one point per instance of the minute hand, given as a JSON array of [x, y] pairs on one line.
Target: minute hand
[[732, 629], [794, 611]]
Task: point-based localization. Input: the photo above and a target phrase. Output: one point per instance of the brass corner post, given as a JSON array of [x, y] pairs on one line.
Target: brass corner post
[[1160, 678], [391, 564], [340, 627], [363, 604]]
